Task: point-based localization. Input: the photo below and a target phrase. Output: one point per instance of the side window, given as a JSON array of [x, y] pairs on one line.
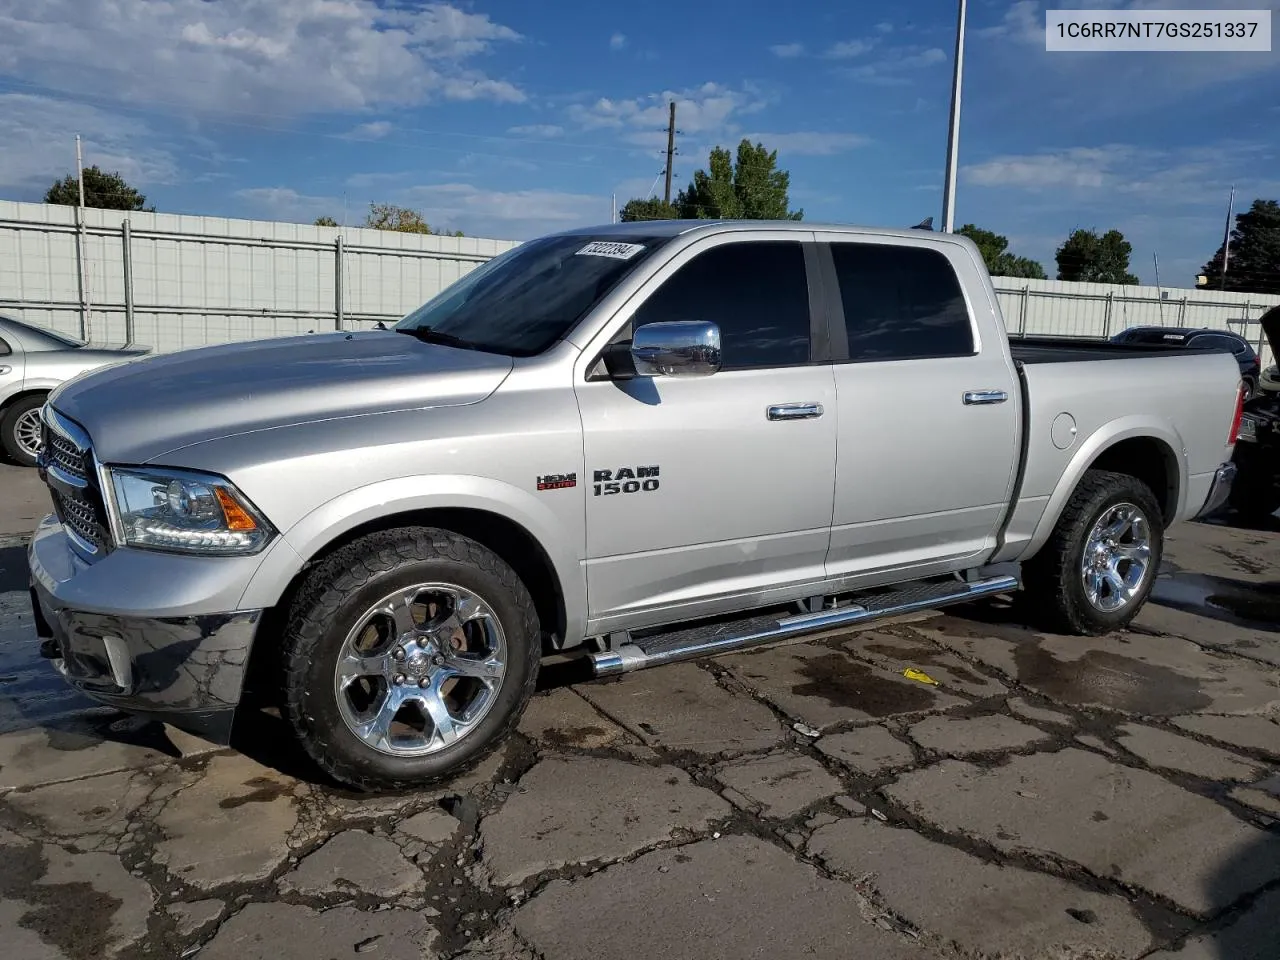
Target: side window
[[4, 348], [1216, 342], [901, 303], [755, 291]]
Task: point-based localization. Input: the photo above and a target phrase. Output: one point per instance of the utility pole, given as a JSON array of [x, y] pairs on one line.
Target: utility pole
[[613, 208], [671, 150], [953, 135], [80, 246], [1226, 238]]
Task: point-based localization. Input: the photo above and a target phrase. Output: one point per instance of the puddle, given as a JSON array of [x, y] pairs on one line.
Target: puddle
[[31, 692], [843, 682], [1102, 678], [1255, 605]]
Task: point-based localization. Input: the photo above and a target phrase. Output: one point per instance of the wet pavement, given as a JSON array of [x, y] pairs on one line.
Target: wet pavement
[[1044, 798]]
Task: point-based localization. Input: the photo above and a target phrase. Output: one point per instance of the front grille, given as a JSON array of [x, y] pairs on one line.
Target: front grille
[[73, 484], [80, 517], [65, 454]]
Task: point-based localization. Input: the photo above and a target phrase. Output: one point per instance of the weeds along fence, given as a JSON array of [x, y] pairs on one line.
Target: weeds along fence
[[172, 281]]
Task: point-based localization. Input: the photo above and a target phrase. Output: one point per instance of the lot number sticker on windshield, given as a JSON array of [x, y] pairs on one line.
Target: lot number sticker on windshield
[[615, 251]]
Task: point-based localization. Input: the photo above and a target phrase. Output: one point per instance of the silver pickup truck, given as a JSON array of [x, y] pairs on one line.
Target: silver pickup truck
[[647, 443]]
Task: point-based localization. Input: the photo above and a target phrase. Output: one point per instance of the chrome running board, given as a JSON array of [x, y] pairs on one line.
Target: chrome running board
[[693, 643]]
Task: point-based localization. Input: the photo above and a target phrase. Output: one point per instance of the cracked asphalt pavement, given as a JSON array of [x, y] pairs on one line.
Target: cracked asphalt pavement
[[1048, 798]]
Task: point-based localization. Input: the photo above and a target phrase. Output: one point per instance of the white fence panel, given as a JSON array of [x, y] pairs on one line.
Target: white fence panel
[[184, 281]]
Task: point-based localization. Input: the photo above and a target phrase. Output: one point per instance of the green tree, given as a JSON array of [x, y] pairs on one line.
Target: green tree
[[652, 209], [1090, 258], [1000, 262], [387, 216], [753, 188], [326, 222], [1254, 264], [106, 191]]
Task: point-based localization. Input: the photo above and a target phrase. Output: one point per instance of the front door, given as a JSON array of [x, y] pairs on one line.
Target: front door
[[702, 495]]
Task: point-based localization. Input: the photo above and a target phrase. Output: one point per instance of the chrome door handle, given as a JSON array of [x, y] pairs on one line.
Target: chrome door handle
[[795, 411], [985, 396]]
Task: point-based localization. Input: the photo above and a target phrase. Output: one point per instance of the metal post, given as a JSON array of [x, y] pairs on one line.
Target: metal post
[[81, 261], [337, 282], [1022, 314], [1106, 323], [1226, 239], [1182, 311], [953, 135], [127, 241]]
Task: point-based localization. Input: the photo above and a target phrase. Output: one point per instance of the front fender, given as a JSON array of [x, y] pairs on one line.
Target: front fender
[[1138, 426], [373, 502]]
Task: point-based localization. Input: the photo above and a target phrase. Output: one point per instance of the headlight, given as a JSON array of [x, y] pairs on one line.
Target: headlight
[[184, 511]]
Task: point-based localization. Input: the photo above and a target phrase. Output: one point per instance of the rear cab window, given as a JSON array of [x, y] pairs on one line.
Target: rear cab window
[[901, 303]]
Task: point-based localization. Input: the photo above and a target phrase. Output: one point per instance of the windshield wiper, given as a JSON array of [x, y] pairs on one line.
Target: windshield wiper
[[427, 335]]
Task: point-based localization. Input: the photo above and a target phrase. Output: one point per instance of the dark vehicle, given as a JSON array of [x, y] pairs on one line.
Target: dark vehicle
[[1204, 339], [1256, 494]]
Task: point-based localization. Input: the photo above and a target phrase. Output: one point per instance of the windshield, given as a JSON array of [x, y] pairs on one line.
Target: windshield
[[523, 301]]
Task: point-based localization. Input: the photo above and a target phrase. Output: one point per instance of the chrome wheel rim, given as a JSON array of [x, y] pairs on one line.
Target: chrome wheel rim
[[420, 669], [26, 432], [1117, 557]]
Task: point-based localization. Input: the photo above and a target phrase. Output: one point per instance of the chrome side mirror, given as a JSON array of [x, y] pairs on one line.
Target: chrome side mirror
[[678, 348]]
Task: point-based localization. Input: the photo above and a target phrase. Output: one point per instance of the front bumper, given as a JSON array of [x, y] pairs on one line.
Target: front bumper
[[185, 670], [1219, 490]]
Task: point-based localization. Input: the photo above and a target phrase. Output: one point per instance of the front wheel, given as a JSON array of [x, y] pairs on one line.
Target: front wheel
[[20, 433], [410, 654], [1098, 567]]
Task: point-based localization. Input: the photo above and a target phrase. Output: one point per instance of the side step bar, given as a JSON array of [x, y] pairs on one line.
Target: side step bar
[[697, 642]]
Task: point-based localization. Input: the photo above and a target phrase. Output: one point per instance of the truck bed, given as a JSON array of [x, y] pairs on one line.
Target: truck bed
[[1080, 349]]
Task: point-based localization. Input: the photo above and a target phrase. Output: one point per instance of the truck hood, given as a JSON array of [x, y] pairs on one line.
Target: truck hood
[[142, 409]]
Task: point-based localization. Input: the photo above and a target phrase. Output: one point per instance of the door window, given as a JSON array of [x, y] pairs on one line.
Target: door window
[[755, 291], [901, 303]]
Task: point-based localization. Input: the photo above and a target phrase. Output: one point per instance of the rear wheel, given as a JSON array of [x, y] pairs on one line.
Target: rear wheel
[[20, 433], [1098, 567], [410, 655]]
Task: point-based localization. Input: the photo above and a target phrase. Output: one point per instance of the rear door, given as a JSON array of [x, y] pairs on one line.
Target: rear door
[[703, 495], [929, 413]]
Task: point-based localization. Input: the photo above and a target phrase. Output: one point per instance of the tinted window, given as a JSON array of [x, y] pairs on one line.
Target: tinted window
[[523, 301], [755, 292], [4, 348], [1215, 342], [901, 302]]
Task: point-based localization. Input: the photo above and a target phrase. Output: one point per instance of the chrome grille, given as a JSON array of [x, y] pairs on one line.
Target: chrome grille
[[65, 454], [80, 517], [73, 484]]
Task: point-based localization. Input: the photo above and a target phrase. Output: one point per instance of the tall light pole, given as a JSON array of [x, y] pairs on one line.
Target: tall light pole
[[953, 133]]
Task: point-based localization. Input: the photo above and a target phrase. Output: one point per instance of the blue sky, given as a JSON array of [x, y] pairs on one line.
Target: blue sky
[[510, 118]]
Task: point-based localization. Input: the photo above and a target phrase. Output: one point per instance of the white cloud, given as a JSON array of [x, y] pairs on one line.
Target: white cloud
[[1117, 172], [541, 131], [514, 214], [848, 49], [1023, 22], [808, 142], [617, 41], [285, 203], [283, 57], [38, 133], [708, 110], [885, 27], [895, 68], [787, 50], [376, 130]]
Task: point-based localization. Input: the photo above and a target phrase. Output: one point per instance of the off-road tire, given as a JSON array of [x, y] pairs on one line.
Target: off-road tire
[[340, 588], [9, 421], [1053, 596]]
